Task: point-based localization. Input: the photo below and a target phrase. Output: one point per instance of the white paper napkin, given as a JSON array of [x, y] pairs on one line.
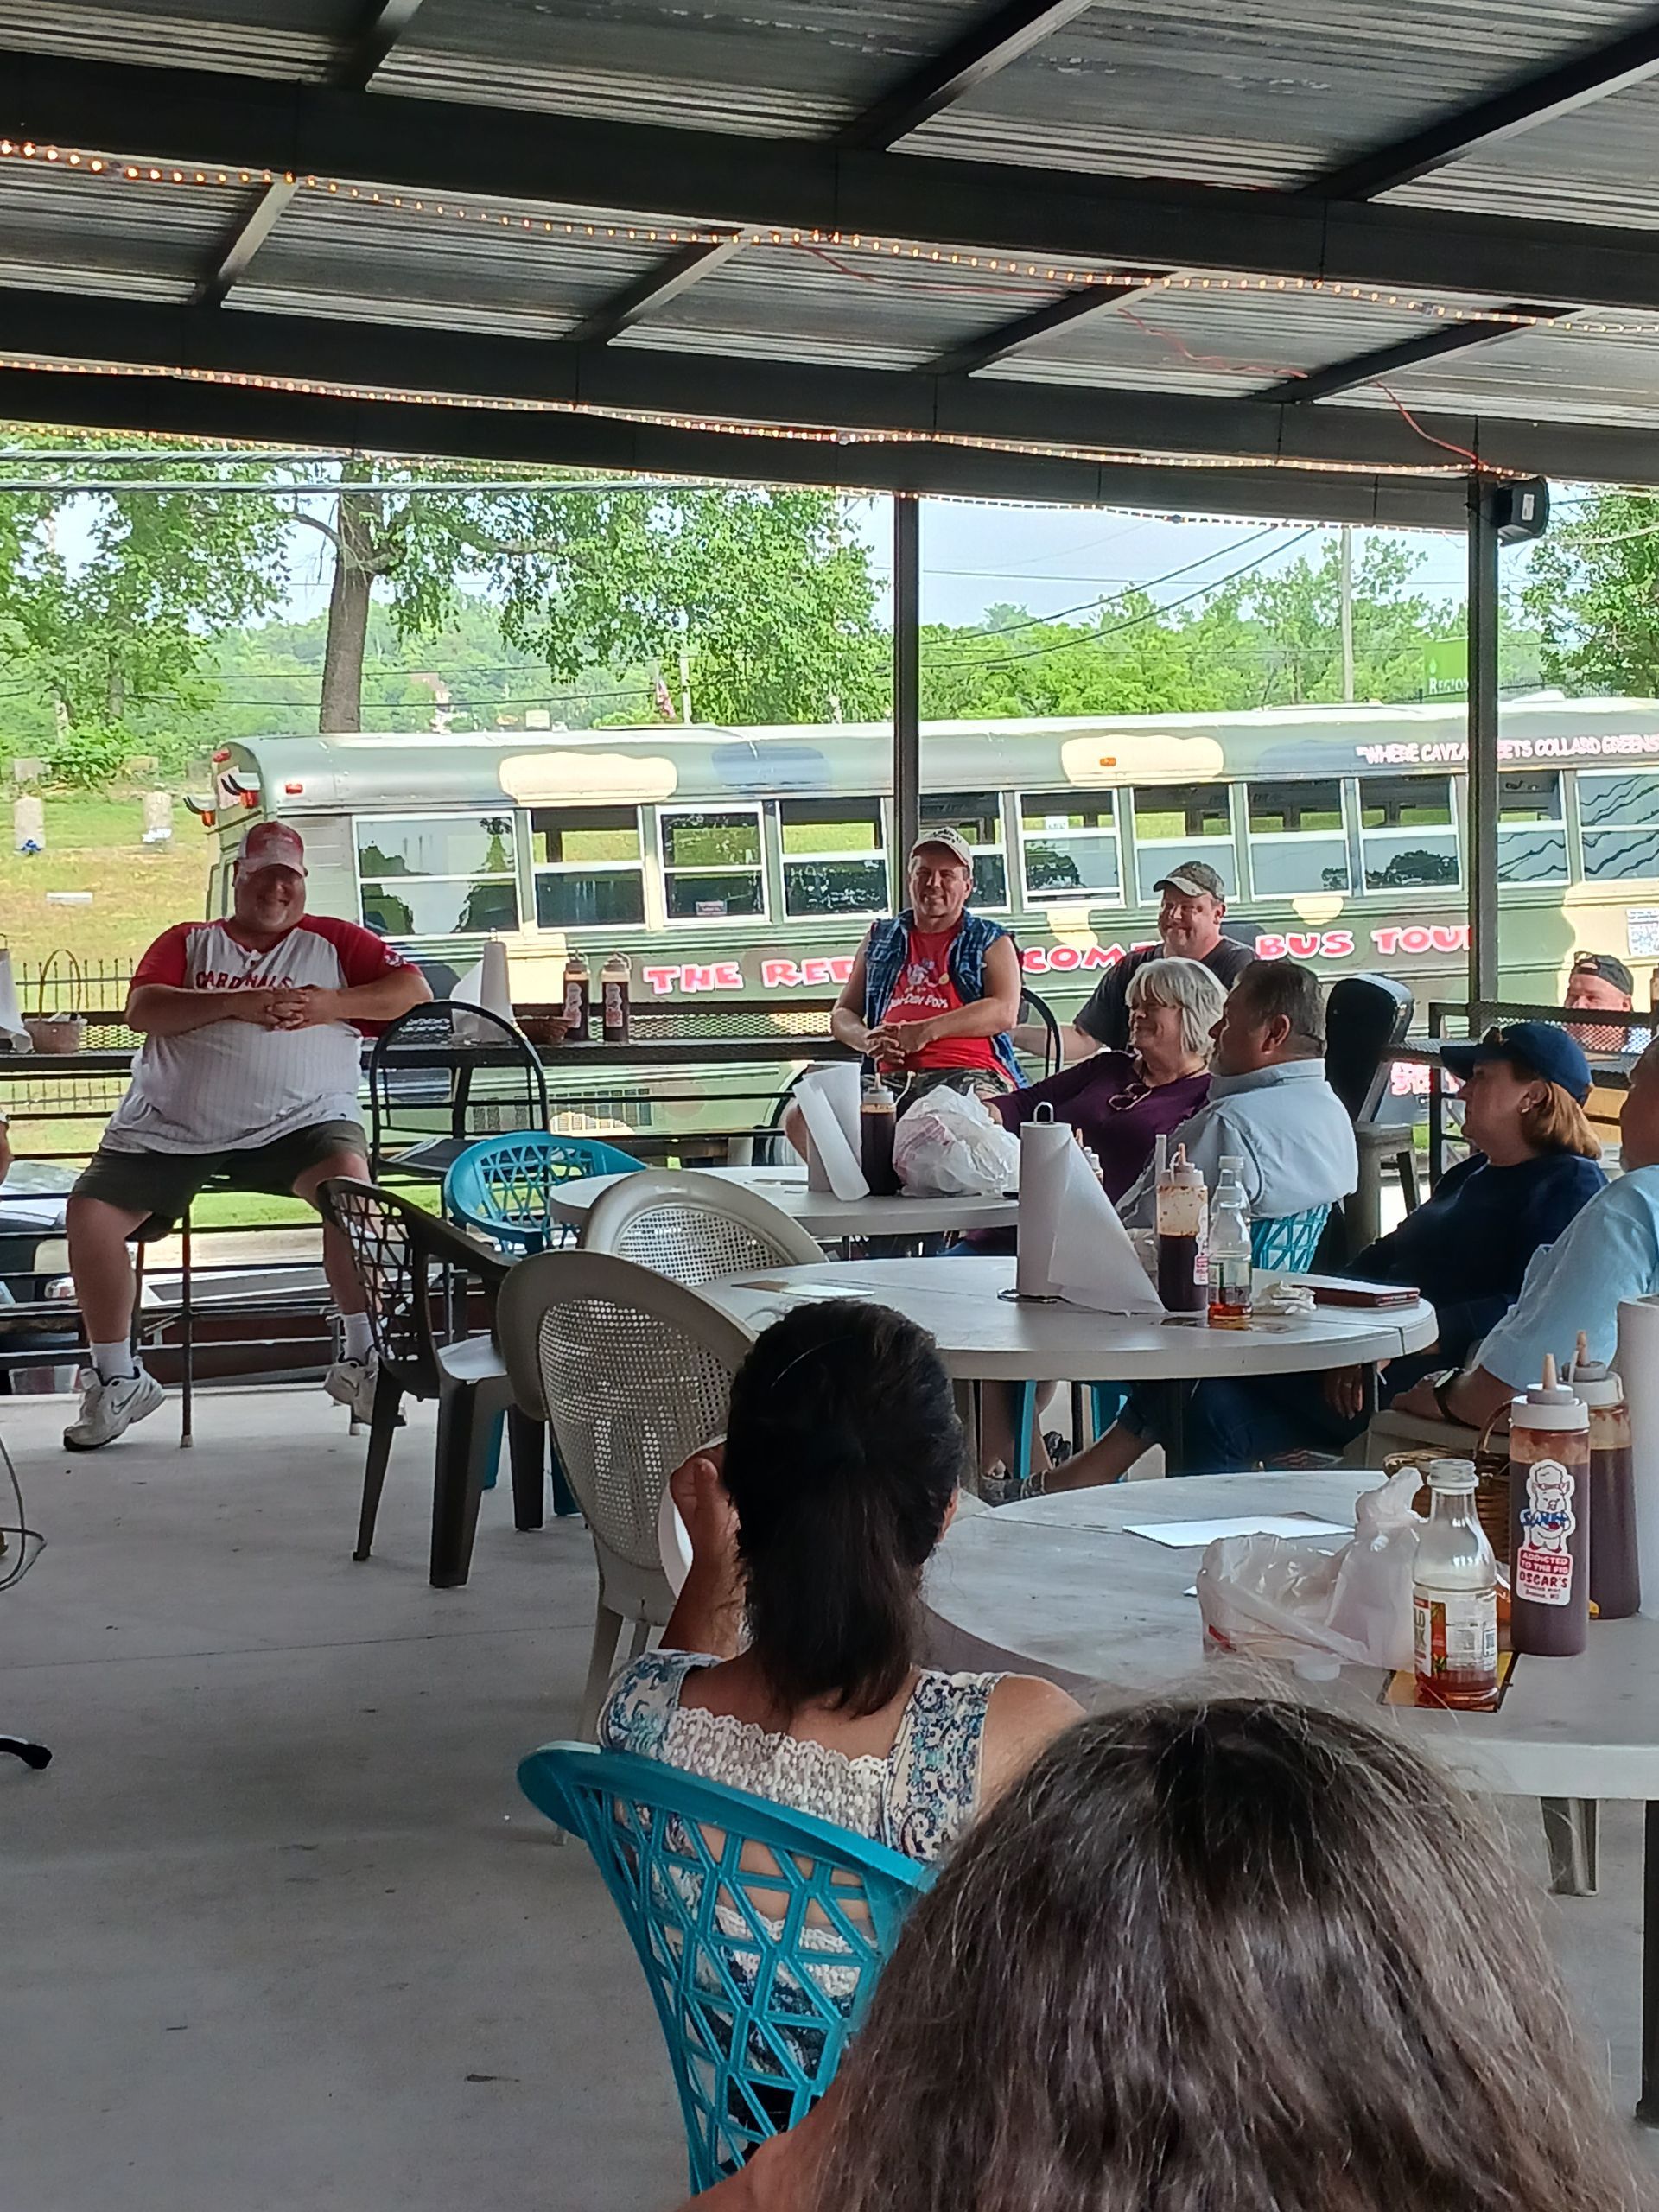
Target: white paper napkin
[[1093, 1263]]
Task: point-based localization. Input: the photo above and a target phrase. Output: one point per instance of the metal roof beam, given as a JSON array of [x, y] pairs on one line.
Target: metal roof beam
[[975, 354], [1383, 360], [710, 179], [391, 357], [408, 428], [654, 289], [985, 48], [1587, 74], [383, 24]]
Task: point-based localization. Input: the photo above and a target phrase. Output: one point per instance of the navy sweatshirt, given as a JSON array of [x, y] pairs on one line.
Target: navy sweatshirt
[[1466, 1247]]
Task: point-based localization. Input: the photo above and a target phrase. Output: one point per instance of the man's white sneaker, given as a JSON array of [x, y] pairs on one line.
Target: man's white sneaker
[[351, 1383], [109, 1410]]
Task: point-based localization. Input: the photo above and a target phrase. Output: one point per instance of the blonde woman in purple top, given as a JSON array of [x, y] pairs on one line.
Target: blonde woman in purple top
[[1119, 1102]]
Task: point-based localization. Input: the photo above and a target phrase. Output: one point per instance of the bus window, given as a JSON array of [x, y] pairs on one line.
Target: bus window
[[1531, 828], [1408, 832], [835, 856], [1068, 848], [1298, 842], [976, 815], [1183, 821], [437, 875], [1619, 816], [711, 862], [590, 867]]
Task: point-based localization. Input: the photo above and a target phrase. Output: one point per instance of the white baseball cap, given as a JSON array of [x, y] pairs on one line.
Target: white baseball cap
[[953, 841]]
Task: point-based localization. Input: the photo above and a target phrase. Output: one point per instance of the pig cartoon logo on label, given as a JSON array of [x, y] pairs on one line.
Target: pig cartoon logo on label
[[1543, 1562]]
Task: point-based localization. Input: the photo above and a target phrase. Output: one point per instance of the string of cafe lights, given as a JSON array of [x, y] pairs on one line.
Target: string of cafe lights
[[110, 167], [783, 433]]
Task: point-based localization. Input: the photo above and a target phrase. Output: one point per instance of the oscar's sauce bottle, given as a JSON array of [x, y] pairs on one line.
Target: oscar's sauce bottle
[[1549, 1519], [578, 1000], [1182, 1221], [1615, 1573], [614, 978]]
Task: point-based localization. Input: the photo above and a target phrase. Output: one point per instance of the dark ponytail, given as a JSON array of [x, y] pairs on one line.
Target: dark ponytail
[[842, 1454]]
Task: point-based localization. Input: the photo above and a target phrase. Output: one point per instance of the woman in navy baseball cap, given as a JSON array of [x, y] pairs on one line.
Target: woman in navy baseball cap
[[1538, 1049]]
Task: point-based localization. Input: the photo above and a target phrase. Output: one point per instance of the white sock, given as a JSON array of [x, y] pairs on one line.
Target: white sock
[[359, 1344], [113, 1363]]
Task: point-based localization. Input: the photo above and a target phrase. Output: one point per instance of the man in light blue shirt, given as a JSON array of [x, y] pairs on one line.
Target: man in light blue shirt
[[1607, 1252], [1270, 1108], [1269, 1104]]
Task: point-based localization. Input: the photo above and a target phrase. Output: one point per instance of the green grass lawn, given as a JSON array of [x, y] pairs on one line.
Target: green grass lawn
[[93, 843]]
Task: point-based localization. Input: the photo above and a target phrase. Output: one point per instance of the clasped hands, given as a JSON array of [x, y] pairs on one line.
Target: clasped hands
[[288, 1007], [899, 1040]]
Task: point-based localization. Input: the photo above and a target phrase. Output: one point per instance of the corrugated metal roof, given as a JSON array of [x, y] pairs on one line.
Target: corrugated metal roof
[[1598, 165], [1264, 92], [1599, 379], [796, 66], [59, 224], [272, 38]]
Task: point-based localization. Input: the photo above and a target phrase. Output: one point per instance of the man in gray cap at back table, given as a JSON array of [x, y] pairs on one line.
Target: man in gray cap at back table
[[1189, 928]]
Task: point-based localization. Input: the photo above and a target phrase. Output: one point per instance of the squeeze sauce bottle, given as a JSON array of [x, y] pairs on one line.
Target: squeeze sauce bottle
[[1182, 1219], [1549, 1519], [1615, 1574]]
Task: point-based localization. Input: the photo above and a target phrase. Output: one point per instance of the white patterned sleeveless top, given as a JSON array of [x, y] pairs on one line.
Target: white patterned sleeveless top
[[918, 1799]]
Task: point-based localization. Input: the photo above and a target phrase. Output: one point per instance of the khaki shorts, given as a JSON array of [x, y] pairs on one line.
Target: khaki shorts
[[162, 1183]]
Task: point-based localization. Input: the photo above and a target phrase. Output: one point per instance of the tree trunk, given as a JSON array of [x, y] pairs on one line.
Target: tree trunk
[[355, 513]]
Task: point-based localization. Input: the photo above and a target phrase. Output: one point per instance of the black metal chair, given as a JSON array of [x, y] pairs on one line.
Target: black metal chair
[[1031, 1006], [441, 1076], [417, 1273], [1365, 1017]]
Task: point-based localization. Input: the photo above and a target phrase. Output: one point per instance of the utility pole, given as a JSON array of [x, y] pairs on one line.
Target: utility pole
[[1347, 612]]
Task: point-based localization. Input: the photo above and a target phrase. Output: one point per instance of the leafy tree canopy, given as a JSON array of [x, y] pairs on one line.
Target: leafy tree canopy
[[1593, 591]]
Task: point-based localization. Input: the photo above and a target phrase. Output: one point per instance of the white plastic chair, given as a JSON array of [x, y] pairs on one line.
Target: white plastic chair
[[696, 1228], [634, 1371]]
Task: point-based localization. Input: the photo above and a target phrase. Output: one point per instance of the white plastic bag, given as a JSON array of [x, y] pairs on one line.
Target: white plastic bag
[[950, 1145], [1284, 1598]]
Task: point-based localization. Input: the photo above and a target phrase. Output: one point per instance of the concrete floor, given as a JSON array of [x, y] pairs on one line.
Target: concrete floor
[[279, 1931]]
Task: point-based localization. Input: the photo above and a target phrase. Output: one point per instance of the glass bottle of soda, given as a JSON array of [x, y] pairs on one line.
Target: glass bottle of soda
[[1454, 1595], [1228, 1256], [1182, 1221], [578, 1006], [877, 1119], [614, 978], [1549, 1519]]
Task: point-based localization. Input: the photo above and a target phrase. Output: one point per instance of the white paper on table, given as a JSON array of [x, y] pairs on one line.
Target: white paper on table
[[1093, 1262], [1043, 1171], [1192, 1536], [828, 1099], [1637, 1360]]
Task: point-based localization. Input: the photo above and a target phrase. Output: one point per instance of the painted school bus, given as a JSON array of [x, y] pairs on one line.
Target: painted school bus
[[737, 865]]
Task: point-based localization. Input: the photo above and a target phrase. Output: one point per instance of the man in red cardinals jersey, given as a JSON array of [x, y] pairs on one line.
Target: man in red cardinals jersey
[[249, 1069]]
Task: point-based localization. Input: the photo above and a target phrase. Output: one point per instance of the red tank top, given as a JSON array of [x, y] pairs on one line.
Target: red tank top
[[924, 989]]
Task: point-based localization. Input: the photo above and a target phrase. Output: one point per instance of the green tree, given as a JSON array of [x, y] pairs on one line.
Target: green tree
[[109, 598], [1593, 591]]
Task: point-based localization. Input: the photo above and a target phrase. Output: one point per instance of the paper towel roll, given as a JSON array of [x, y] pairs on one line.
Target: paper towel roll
[[1638, 1363], [1043, 1148], [823, 1095], [13, 1035]]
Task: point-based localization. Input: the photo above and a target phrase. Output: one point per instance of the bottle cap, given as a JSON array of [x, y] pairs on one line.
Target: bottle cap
[[1452, 1474], [1232, 1164], [1549, 1404], [1592, 1379], [1185, 1171]]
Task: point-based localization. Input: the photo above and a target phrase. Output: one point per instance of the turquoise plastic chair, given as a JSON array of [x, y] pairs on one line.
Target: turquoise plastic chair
[[500, 1187], [761, 1930], [1284, 1245]]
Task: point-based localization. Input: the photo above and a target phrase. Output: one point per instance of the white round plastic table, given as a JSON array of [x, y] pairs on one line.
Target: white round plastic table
[[983, 1337], [1059, 1586], [819, 1212]]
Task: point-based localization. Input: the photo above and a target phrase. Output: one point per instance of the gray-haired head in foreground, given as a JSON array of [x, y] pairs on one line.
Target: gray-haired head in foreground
[[1187, 984], [1223, 1954]]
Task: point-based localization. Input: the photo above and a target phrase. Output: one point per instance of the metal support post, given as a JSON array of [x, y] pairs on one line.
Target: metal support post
[[1483, 742], [906, 683]]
